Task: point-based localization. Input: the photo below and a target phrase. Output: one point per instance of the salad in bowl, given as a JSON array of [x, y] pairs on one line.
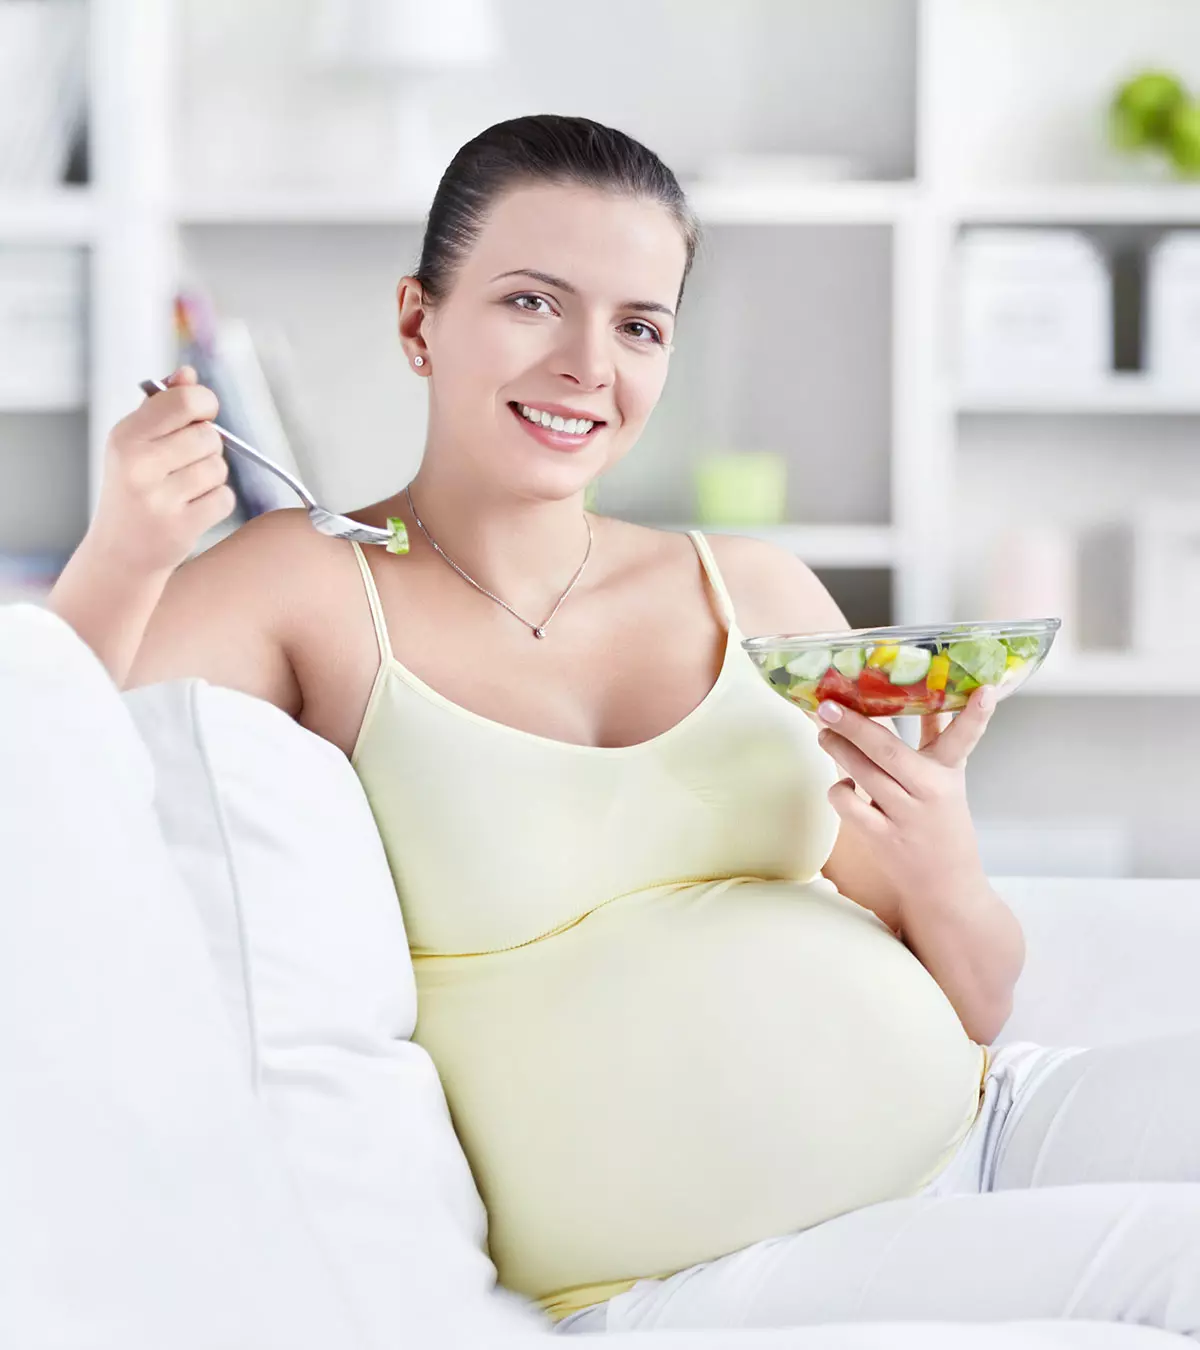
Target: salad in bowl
[[899, 671]]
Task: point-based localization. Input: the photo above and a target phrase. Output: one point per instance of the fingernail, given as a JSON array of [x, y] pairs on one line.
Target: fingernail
[[831, 712], [987, 700]]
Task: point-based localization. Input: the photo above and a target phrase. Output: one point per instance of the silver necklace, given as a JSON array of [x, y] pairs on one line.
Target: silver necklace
[[538, 630]]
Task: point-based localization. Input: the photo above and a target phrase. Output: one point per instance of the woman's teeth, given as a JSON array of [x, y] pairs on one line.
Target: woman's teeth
[[573, 426]]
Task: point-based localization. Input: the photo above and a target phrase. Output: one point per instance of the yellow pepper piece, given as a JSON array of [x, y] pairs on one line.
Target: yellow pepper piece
[[939, 668], [882, 656], [1013, 660]]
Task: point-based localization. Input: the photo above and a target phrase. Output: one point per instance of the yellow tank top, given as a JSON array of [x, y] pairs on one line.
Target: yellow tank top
[[662, 1033]]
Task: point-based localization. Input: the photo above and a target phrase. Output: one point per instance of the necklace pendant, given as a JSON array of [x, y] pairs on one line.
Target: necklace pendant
[[539, 632]]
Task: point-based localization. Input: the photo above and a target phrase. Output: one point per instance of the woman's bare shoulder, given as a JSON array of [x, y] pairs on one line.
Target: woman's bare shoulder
[[774, 590], [229, 614]]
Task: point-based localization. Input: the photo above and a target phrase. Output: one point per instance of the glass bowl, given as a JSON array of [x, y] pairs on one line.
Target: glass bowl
[[903, 671]]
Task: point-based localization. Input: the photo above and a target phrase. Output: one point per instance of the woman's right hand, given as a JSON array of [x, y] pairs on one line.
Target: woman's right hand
[[164, 480]]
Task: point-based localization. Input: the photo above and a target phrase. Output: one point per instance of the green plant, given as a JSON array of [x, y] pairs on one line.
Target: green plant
[[1154, 112]]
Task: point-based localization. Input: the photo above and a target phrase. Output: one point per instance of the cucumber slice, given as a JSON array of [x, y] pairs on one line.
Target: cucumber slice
[[910, 664], [398, 535], [810, 665], [850, 662]]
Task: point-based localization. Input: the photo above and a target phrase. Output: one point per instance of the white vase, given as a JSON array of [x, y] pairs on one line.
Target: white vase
[[1032, 573]]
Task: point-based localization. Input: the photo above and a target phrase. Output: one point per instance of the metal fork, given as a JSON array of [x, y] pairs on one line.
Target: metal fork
[[340, 527]]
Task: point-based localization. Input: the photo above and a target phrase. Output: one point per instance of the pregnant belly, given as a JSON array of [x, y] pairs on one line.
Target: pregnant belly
[[689, 1071]]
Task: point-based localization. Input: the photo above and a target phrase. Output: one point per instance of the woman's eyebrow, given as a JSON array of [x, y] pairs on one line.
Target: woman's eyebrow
[[562, 285]]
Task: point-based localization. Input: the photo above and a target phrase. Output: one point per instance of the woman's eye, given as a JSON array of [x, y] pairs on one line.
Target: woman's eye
[[537, 299], [655, 335]]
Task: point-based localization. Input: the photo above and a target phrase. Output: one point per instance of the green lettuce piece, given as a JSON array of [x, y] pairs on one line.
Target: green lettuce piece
[[982, 658], [959, 680], [1024, 647]]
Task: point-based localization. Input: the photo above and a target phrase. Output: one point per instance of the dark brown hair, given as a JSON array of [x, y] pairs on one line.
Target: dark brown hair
[[543, 148]]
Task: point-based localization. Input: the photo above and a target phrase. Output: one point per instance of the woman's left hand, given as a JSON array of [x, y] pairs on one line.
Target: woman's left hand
[[917, 818]]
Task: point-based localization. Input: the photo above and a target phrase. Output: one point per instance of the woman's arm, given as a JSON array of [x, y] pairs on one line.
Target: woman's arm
[[108, 605], [906, 846]]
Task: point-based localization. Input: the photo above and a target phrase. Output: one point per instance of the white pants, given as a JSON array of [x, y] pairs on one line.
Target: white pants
[[1076, 1194]]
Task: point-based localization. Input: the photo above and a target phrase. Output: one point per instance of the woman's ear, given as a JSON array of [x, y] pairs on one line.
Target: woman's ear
[[412, 312]]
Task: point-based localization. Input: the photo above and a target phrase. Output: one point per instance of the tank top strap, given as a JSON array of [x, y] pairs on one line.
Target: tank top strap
[[715, 579], [381, 633]]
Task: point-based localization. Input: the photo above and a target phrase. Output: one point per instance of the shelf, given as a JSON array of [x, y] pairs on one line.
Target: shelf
[[715, 203], [330, 207], [1132, 394], [1117, 674], [41, 407], [65, 215], [817, 545], [815, 203], [1100, 203], [765, 203]]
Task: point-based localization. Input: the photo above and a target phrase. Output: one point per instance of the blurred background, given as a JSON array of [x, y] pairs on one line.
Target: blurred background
[[942, 339]]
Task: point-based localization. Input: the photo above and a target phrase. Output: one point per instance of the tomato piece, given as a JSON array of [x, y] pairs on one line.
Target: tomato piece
[[874, 695], [918, 693], [834, 685], [878, 696], [875, 683]]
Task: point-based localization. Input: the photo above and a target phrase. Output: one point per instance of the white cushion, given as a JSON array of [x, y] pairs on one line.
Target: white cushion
[[143, 1201], [1108, 959], [273, 834]]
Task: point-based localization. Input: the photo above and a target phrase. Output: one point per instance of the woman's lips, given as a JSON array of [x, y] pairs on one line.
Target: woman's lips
[[556, 440]]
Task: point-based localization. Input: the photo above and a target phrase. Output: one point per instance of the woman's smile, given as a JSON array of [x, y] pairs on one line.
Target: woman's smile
[[547, 435]]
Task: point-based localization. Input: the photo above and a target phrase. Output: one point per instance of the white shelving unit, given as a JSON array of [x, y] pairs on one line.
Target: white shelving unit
[[1125, 393], [863, 268]]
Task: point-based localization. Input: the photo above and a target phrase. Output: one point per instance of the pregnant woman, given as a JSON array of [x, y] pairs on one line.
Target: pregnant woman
[[710, 985]]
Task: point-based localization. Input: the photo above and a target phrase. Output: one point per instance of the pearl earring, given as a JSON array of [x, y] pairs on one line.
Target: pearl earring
[[418, 361]]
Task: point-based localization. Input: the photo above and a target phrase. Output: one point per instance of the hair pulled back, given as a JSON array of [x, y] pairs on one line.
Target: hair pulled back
[[535, 150]]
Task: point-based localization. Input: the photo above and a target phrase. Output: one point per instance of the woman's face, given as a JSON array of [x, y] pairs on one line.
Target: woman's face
[[590, 335]]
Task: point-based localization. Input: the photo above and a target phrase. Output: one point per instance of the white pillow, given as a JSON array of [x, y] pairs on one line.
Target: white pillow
[[274, 836], [144, 1204]]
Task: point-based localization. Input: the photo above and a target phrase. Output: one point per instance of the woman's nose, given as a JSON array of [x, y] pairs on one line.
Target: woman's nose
[[587, 357]]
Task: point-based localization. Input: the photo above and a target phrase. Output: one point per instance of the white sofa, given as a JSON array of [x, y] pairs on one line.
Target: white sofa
[[215, 1130]]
